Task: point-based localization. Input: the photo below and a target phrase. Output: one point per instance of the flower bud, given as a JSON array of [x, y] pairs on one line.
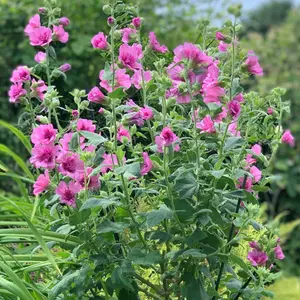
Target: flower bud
[[43, 10], [117, 34], [136, 22], [101, 111], [42, 119], [56, 11], [110, 20], [64, 21], [75, 113], [84, 104], [55, 103], [107, 9], [235, 10], [53, 2], [65, 68]]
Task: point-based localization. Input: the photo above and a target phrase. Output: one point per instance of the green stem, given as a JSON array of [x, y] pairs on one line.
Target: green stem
[[60, 129], [107, 297]]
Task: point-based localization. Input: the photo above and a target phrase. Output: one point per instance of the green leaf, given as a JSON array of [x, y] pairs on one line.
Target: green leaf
[[109, 226], [160, 236], [143, 258], [155, 217], [117, 93], [120, 277], [79, 217], [217, 173], [234, 284], [74, 143], [52, 52], [103, 202], [233, 142], [235, 194], [129, 170], [196, 253], [98, 158], [196, 237], [186, 185], [93, 138], [195, 289], [237, 260]]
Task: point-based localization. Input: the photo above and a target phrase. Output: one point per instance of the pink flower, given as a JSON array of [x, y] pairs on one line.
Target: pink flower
[[137, 79], [239, 97], [65, 68], [42, 183], [99, 41], [253, 64], [90, 181], [257, 258], [254, 245], [34, 22], [256, 173], [20, 74], [127, 34], [70, 164], [220, 36], [40, 57], [256, 149], [15, 92], [38, 88], [278, 253], [136, 22], [247, 185], [43, 156], [223, 46], [146, 113], [109, 161], [85, 125], [64, 21], [191, 52], [155, 45], [41, 36], [181, 97], [134, 115], [66, 139], [68, 193], [147, 165], [121, 80], [122, 132], [95, 95], [222, 115], [270, 110], [232, 128], [44, 134], [287, 138], [234, 108], [206, 125], [129, 56], [168, 136], [60, 34], [101, 110]]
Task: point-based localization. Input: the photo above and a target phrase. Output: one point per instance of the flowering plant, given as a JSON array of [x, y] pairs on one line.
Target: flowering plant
[[155, 193]]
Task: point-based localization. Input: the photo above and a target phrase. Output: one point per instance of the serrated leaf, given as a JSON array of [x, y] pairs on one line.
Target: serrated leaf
[[155, 217], [117, 93], [93, 138], [103, 202], [186, 185], [129, 170], [233, 142]]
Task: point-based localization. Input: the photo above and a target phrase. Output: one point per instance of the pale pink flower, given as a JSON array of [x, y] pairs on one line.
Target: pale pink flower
[[122, 132], [41, 36], [109, 161], [121, 80], [234, 108], [20, 74], [232, 128], [270, 110], [147, 164], [223, 46], [129, 56], [64, 21], [191, 52], [253, 64], [256, 149], [278, 253], [287, 138], [137, 79], [206, 125], [168, 136], [127, 34], [155, 45], [40, 57], [43, 156], [254, 245], [257, 258], [42, 183], [101, 110], [220, 36], [70, 164], [34, 22], [99, 41], [239, 97], [136, 22], [60, 34], [222, 115], [65, 68], [43, 134], [38, 88], [181, 97], [67, 193], [146, 113], [85, 125], [247, 184], [90, 181], [134, 115], [250, 160], [95, 95], [256, 173], [16, 92]]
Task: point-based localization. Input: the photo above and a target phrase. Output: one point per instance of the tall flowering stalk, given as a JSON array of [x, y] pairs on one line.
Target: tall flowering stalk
[[161, 189]]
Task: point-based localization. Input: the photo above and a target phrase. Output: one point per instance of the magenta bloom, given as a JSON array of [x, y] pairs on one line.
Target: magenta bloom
[[278, 253], [64, 21], [248, 184], [34, 22], [67, 193], [136, 22], [257, 258], [234, 108], [20, 74], [191, 52], [121, 80], [129, 56], [41, 36], [270, 110], [127, 33], [155, 45], [40, 57], [65, 140], [239, 97], [206, 125], [70, 164], [287, 138], [15, 92], [256, 173], [60, 34], [147, 165], [38, 88], [43, 156], [233, 129], [42, 183], [220, 36], [109, 161], [256, 149], [101, 110], [99, 41], [146, 113], [254, 245], [253, 64], [122, 132], [65, 68], [110, 20], [85, 125], [95, 95], [137, 80], [91, 181], [44, 134], [222, 115], [223, 46], [165, 139], [134, 115]]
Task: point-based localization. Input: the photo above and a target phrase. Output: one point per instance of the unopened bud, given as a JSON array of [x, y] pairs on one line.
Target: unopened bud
[[110, 21], [42, 119], [65, 68], [43, 10], [75, 113], [107, 9], [84, 104], [64, 21]]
